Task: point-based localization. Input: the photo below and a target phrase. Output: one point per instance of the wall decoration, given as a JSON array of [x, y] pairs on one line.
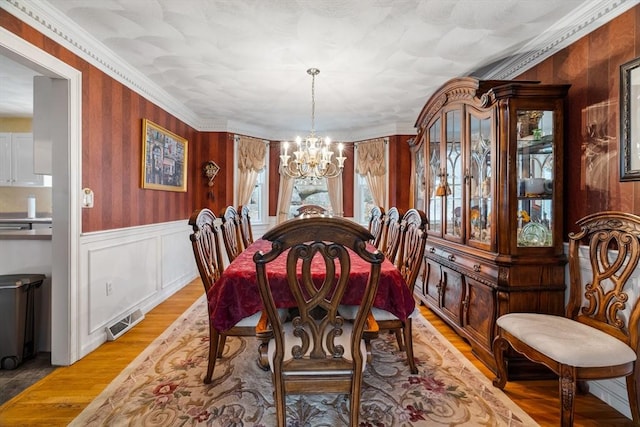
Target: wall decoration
[[164, 159], [210, 170], [630, 121]]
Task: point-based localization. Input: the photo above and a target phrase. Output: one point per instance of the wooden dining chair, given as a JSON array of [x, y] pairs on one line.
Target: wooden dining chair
[[412, 245], [307, 210], [245, 226], [598, 336], [318, 351], [392, 233], [206, 249], [376, 225], [230, 229]]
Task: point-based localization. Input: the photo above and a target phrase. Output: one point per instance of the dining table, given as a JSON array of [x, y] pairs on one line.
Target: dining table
[[235, 294]]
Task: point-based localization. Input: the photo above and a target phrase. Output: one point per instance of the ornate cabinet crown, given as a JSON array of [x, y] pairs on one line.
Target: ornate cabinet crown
[[487, 170]]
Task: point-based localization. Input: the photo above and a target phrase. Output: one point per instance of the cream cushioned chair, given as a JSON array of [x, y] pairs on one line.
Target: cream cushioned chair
[[598, 337]]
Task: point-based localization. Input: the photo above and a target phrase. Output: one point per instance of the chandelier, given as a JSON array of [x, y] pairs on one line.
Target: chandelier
[[313, 156]]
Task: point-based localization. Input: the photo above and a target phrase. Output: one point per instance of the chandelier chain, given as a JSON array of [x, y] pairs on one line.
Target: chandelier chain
[[313, 72]]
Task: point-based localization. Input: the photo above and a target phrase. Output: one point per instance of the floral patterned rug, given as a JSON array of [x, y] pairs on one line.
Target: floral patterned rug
[[163, 387]]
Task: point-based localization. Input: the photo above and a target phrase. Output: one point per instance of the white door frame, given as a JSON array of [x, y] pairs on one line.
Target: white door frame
[[66, 173]]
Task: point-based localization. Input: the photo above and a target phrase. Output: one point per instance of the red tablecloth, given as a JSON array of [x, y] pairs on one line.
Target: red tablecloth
[[235, 295]]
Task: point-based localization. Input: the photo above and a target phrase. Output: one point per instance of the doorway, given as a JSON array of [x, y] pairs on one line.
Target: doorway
[[66, 178]]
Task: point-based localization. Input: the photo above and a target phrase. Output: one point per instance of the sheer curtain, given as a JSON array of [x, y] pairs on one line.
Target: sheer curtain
[[251, 160], [372, 166], [284, 197], [334, 188]]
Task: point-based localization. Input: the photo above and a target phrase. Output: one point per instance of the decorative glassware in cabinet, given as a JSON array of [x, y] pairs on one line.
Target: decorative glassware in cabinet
[[535, 163], [479, 177]]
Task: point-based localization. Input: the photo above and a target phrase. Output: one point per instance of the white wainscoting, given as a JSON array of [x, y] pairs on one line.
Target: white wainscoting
[[613, 391], [128, 269]]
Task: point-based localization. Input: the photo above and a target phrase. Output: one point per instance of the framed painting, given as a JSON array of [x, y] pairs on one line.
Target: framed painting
[[630, 121], [164, 159]]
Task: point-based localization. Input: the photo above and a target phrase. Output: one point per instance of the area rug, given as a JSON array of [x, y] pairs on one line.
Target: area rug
[[163, 387]]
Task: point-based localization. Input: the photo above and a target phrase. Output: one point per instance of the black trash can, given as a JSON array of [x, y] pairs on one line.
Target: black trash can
[[18, 336]]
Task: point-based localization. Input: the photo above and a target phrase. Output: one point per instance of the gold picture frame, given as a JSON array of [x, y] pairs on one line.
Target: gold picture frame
[[164, 158]]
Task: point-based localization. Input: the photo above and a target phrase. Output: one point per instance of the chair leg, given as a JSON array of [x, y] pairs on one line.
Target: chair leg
[[408, 344], [354, 407], [632, 394], [280, 401], [500, 345], [401, 344], [223, 340], [213, 350], [567, 394]]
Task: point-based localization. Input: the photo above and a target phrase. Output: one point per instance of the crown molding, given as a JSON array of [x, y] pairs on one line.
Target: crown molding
[[50, 22], [587, 18]]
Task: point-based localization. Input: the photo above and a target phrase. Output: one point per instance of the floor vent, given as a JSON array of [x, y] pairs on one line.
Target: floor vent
[[121, 326]]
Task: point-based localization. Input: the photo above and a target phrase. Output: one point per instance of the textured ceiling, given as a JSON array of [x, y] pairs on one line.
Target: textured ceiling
[[241, 65]]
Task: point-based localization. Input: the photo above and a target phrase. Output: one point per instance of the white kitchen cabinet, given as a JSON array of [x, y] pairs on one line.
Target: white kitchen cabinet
[[16, 161]]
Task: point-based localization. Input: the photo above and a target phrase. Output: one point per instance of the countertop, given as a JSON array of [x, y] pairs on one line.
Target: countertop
[[25, 220], [35, 234]]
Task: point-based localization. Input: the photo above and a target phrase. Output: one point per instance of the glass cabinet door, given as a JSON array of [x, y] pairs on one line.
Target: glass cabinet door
[[435, 174], [452, 174], [535, 180], [479, 174], [421, 180]]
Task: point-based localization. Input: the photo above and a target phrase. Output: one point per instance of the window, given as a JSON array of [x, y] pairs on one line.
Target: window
[[363, 200], [258, 203], [309, 192]]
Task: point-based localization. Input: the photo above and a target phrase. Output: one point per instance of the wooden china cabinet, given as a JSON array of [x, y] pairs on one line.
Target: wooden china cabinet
[[487, 169]]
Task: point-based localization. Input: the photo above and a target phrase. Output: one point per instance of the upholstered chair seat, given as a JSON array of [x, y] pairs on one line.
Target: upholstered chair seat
[[583, 346]]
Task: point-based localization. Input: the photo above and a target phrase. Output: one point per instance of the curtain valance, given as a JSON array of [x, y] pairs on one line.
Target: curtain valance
[[371, 157], [251, 154]]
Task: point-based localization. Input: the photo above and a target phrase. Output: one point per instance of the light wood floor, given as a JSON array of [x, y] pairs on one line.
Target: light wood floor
[[61, 396]]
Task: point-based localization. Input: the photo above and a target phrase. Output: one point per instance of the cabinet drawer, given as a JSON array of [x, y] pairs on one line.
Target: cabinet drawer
[[465, 263]]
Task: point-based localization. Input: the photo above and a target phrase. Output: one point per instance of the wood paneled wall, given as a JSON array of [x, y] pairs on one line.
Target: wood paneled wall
[[592, 67], [399, 171]]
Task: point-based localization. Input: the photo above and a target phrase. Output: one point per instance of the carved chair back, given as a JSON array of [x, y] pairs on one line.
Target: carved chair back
[[414, 223], [392, 233], [318, 351], [307, 210], [376, 225], [230, 229], [607, 299], [206, 246], [245, 226]]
